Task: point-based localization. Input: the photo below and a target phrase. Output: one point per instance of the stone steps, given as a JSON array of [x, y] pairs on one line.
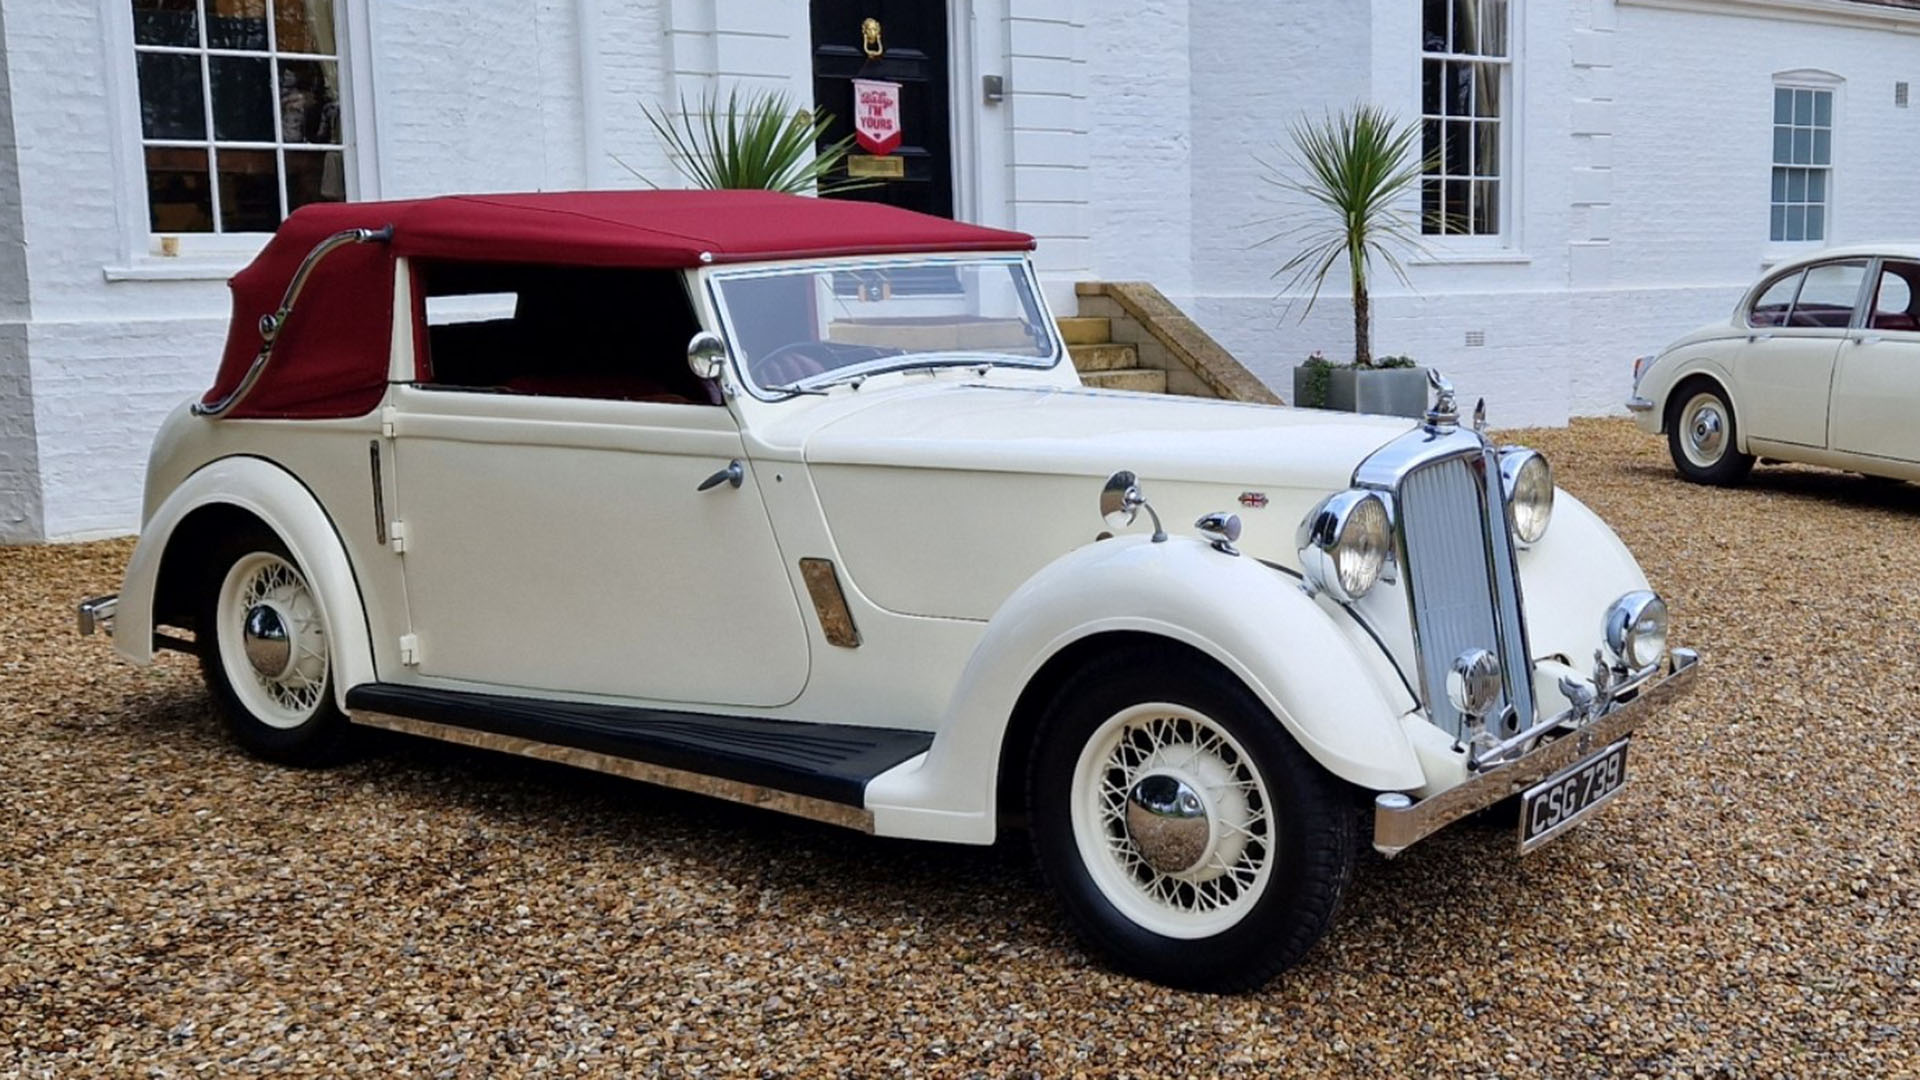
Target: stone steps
[[1105, 363]]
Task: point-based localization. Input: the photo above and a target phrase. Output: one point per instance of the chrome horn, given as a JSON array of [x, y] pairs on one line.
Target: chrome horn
[[1121, 502]]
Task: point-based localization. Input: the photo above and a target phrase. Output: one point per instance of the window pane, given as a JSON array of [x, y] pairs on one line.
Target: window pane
[[242, 98], [237, 24], [1486, 89], [1430, 219], [1466, 26], [166, 22], [1431, 77], [170, 103], [1894, 295], [1486, 207], [179, 194], [1830, 294], [1822, 147], [1782, 106], [1802, 146], [304, 26], [1430, 146], [1816, 223], [1457, 89], [1493, 27], [1459, 149], [1433, 26], [315, 176], [309, 101], [1779, 185], [1457, 196], [1823, 108], [1817, 185], [1486, 148], [1803, 107], [1796, 185], [1771, 308], [249, 191], [1796, 223], [1779, 224], [1782, 145]]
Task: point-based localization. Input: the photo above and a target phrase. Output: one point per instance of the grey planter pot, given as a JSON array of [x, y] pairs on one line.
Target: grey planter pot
[[1385, 391]]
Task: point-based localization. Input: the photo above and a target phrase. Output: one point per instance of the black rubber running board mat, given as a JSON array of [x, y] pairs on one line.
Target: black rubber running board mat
[[833, 762]]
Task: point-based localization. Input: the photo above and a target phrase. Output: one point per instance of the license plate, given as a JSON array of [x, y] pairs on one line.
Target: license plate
[[1562, 801]]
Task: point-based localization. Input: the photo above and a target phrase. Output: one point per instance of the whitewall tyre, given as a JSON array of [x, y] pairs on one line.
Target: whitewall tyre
[[264, 649], [1702, 438], [1189, 838]]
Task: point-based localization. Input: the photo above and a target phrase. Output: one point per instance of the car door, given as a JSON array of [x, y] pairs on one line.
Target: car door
[[1784, 370], [1876, 389], [559, 533]]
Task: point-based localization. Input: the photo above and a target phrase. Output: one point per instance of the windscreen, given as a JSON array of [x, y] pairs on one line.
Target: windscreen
[[806, 327]]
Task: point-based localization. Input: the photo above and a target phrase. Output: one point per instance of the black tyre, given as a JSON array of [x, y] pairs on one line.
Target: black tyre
[[1702, 436], [1189, 838], [265, 654]]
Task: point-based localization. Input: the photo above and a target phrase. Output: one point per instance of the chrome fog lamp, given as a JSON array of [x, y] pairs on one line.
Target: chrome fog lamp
[[1636, 630], [1473, 682], [1527, 481], [1344, 542]]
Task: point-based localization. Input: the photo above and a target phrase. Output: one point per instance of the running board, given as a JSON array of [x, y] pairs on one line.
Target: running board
[[817, 771]]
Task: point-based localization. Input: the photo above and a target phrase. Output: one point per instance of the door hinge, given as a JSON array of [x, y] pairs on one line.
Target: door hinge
[[410, 650], [387, 415], [397, 536]]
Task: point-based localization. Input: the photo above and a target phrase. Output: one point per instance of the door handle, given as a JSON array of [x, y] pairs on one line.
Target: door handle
[[1759, 337], [732, 474], [1867, 339]]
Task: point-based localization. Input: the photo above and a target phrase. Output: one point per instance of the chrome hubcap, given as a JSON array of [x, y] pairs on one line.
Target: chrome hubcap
[[1706, 430], [267, 640], [1167, 821]]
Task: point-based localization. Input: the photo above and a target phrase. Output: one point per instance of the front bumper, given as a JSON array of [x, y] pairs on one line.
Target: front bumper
[[1398, 822], [97, 614], [1646, 414]]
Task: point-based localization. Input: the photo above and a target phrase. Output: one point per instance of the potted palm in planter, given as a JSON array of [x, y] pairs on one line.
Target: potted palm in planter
[[1353, 170]]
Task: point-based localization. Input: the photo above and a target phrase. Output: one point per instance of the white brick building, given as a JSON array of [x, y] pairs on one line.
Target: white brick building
[[1628, 186]]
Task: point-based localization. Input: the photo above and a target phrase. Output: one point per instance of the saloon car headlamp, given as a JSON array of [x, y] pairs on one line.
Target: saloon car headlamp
[[1344, 542], [1636, 630], [1527, 480]]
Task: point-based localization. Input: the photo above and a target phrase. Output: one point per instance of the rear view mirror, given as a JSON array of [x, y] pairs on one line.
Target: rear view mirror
[[707, 355]]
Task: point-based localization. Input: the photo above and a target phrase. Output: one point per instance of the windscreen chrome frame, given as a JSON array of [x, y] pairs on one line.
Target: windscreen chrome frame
[[717, 300]]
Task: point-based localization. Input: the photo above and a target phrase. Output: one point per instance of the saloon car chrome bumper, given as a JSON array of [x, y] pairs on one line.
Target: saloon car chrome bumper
[[1398, 822], [1639, 404], [97, 614]]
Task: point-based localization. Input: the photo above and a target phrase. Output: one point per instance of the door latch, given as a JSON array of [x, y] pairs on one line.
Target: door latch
[[732, 474]]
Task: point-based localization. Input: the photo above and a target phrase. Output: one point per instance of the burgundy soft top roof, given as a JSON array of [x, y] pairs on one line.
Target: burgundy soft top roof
[[330, 359]]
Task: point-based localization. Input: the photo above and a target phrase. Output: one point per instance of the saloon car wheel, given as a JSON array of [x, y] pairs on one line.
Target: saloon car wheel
[[1701, 437], [1189, 838], [266, 657]]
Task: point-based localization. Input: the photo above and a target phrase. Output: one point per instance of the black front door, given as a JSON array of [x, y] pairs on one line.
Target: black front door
[[905, 42]]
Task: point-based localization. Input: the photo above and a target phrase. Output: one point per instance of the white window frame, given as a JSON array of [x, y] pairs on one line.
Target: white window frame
[[1502, 244], [147, 255], [1827, 82]]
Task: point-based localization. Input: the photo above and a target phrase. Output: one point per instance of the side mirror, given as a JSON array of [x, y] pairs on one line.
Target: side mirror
[[1121, 502], [707, 355]]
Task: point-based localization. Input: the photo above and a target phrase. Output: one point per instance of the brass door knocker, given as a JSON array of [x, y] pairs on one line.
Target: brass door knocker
[[870, 39]]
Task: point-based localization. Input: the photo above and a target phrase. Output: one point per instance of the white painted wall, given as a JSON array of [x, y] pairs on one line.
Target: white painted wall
[[1128, 144]]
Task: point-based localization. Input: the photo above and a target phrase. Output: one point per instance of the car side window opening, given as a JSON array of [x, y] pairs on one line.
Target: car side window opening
[[1893, 298], [1775, 301], [1829, 295], [558, 331]]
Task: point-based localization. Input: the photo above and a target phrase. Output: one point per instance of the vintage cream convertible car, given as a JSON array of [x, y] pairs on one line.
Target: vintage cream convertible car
[[799, 502], [1820, 363]]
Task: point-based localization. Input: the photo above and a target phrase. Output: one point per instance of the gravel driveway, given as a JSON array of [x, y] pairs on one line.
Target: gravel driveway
[[1749, 907]]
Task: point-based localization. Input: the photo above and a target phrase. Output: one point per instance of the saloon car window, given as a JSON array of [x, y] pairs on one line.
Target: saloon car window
[[797, 328], [1893, 299], [1831, 292], [554, 331], [1775, 301]]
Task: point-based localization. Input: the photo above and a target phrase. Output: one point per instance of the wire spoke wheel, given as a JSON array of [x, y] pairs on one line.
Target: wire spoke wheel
[[1173, 820], [272, 640]]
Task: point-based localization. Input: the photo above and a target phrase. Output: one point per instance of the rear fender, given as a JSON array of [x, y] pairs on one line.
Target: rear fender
[[1253, 620], [271, 494]]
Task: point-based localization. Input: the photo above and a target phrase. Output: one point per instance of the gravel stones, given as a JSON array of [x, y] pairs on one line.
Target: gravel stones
[[1750, 906]]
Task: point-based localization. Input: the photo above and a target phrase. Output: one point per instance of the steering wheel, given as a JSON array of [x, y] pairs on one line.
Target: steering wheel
[[791, 362]]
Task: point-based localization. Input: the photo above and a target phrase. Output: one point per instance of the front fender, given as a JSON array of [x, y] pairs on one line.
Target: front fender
[[1253, 620], [271, 494]]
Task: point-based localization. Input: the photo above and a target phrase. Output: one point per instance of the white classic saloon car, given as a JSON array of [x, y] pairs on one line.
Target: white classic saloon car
[[1820, 363], [793, 502]]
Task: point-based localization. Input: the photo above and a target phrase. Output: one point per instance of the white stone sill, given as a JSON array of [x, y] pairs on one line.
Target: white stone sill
[[160, 268], [1470, 258]]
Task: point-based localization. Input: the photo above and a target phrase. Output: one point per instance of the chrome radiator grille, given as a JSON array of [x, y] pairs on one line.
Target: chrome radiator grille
[[1457, 555]]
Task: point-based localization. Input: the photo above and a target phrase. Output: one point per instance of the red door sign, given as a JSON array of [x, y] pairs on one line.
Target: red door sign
[[876, 116]]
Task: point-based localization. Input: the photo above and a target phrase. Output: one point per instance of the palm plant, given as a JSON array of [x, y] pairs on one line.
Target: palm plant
[[760, 142], [1356, 167]]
